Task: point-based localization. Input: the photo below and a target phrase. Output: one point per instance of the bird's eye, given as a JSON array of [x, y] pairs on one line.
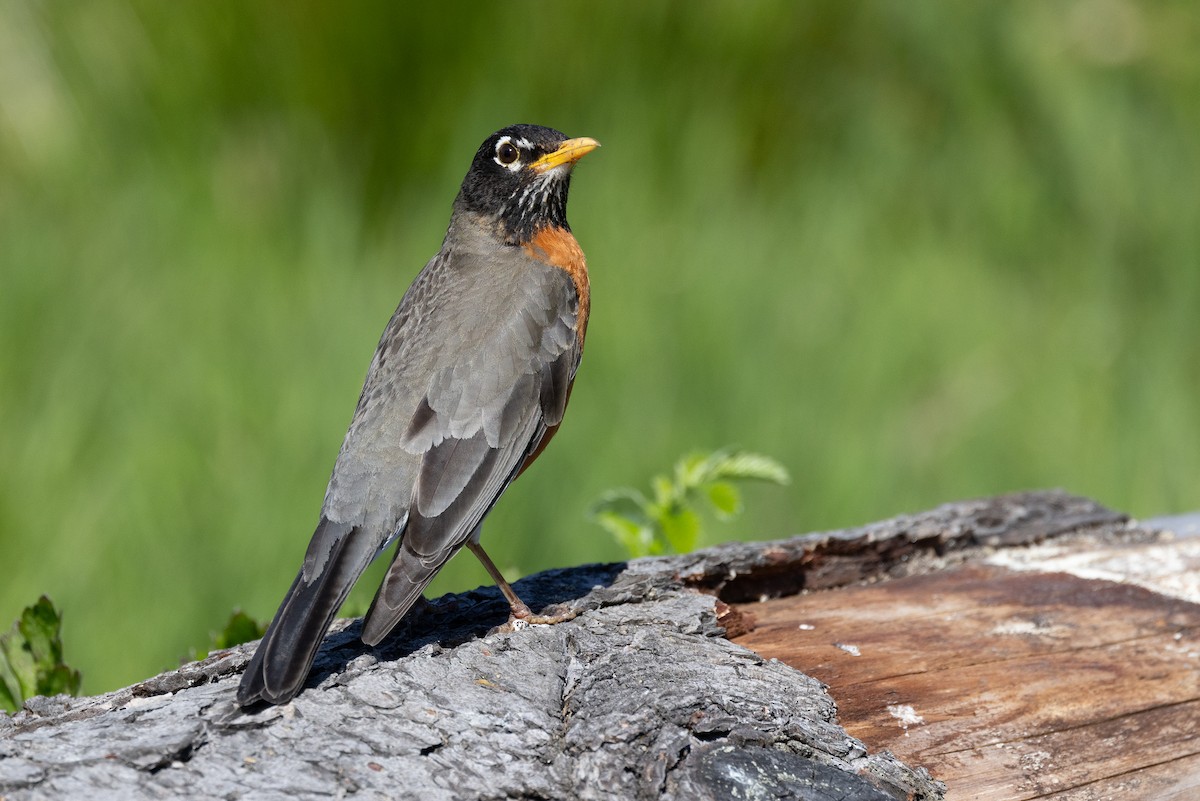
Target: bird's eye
[[507, 153]]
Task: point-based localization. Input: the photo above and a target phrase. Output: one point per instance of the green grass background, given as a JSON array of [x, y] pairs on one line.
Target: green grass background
[[916, 251]]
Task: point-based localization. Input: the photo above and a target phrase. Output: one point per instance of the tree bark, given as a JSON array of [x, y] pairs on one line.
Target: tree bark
[[641, 696]]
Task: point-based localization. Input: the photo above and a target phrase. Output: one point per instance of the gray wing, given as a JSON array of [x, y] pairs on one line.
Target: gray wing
[[366, 502], [509, 351], [472, 368]]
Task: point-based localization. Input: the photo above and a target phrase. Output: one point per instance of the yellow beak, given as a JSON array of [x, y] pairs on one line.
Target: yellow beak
[[568, 152]]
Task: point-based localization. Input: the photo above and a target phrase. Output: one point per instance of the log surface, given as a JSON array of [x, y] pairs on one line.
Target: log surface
[[1065, 671], [641, 696]]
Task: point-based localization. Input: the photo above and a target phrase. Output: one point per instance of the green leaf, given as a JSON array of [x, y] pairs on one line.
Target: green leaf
[[19, 665], [681, 529], [672, 520], [746, 465], [238, 629], [725, 498], [636, 538], [628, 503], [31, 657], [10, 687], [692, 470], [58, 680], [665, 494], [626, 514]]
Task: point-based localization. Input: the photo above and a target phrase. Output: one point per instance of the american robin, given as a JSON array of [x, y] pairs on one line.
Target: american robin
[[469, 382]]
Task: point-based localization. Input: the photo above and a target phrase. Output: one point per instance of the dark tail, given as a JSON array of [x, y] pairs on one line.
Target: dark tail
[[336, 557], [406, 579]]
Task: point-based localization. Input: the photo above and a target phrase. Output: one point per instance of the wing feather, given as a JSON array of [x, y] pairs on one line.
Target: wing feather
[[430, 541], [478, 424]]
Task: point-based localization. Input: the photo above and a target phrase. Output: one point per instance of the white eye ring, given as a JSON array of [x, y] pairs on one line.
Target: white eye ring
[[507, 154]]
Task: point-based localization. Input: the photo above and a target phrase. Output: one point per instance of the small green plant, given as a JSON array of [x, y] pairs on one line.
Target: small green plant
[[31, 657], [238, 629], [671, 518]]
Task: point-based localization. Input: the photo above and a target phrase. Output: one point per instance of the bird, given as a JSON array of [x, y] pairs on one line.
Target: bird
[[467, 385]]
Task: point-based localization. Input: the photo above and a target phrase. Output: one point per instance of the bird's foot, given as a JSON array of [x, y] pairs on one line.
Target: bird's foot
[[547, 620], [522, 618]]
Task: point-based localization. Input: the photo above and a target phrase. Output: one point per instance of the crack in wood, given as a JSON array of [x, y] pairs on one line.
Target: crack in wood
[[1066, 729]]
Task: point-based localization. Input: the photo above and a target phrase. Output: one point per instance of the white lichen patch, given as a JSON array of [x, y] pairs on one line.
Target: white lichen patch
[[905, 715]]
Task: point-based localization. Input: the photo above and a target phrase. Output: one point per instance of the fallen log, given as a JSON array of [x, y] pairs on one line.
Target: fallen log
[[643, 695]]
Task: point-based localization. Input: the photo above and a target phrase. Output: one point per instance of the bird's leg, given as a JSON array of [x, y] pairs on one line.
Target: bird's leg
[[520, 610]]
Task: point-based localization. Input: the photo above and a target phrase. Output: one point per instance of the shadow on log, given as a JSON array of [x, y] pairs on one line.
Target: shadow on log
[[642, 696]]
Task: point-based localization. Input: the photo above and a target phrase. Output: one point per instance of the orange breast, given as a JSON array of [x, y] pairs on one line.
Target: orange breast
[[557, 246]]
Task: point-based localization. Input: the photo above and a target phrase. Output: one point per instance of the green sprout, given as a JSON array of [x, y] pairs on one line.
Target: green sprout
[[672, 520], [31, 657], [239, 628]]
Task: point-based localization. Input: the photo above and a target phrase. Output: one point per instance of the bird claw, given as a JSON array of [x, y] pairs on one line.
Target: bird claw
[[520, 622], [549, 620]]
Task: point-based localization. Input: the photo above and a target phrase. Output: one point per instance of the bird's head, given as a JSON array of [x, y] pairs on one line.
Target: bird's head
[[519, 179]]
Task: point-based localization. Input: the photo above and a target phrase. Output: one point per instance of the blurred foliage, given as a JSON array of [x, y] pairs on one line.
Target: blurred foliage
[[31, 657], [239, 628], [670, 519], [917, 251]]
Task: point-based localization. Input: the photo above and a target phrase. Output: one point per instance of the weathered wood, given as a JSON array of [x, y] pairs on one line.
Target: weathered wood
[[1017, 685], [900, 546], [641, 696], [634, 700]]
